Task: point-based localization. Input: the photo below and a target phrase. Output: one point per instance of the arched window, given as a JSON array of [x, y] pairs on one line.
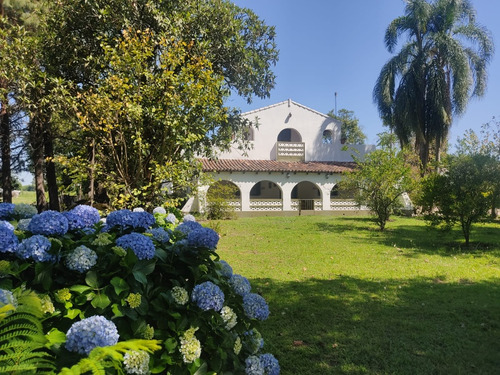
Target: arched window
[[289, 135], [327, 137]]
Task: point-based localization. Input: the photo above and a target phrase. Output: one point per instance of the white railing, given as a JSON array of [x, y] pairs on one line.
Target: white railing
[[266, 205], [295, 151], [345, 205], [235, 204]]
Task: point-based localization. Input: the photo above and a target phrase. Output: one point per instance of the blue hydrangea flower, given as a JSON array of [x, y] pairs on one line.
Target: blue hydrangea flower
[[159, 210], [225, 269], [35, 247], [120, 218], [90, 333], [253, 366], [8, 240], [6, 224], [124, 219], [240, 284], [7, 298], [255, 306], [208, 296], [6, 211], [143, 219], [141, 245], [82, 216], [188, 226], [23, 224], [270, 364], [49, 223], [159, 234], [171, 218], [203, 237], [24, 211], [81, 259]]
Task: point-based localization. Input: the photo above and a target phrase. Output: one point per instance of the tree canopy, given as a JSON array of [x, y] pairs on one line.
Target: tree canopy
[[380, 181], [142, 85], [351, 132], [437, 70]]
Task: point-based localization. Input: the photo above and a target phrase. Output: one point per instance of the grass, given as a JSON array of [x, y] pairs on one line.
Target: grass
[[348, 299], [27, 197]]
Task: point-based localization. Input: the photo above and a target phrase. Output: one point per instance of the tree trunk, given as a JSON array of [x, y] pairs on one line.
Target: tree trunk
[[6, 155], [5, 138], [494, 200], [91, 172], [438, 155], [35, 134], [50, 168]]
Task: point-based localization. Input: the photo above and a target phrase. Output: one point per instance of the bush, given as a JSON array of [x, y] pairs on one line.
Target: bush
[[219, 198], [131, 284]]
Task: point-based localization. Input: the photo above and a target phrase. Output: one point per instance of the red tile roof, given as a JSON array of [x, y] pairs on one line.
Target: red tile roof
[[238, 165]]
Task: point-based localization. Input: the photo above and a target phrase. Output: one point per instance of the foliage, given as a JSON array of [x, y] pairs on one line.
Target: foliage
[[176, 293], [219, 197], [488, 145], [187, 57], [151, 121], [430, 80], [351, 132], [380, 180], [22, 339], [458, 195]]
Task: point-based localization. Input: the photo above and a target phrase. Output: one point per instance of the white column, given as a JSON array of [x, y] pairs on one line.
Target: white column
[[245, 195], [286, 191]]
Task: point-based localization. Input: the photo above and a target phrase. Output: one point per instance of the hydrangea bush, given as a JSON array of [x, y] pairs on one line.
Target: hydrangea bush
[[135, 276]]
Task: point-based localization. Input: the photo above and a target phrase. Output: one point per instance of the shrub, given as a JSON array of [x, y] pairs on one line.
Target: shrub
[[114, 291]]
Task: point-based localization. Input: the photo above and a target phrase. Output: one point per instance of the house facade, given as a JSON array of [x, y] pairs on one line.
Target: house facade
[[295, 162]]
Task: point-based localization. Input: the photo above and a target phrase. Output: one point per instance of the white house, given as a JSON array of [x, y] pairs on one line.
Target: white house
[[295, 162]]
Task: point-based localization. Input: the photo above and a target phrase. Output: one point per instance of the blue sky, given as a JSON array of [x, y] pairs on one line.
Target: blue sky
[[329, 46]]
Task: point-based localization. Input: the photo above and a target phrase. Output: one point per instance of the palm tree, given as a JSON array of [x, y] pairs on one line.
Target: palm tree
[[431, 79]]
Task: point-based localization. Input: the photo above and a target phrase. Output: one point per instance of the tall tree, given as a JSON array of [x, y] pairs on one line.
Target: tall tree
[[431, 79], [85, 41], [351, 132], [15, 16]]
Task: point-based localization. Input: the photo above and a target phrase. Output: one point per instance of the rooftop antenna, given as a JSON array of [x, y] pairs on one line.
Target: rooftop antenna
[[335, 112]]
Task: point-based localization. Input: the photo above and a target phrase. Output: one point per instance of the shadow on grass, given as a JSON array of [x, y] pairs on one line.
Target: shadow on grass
[[420, 238], [352, 326]]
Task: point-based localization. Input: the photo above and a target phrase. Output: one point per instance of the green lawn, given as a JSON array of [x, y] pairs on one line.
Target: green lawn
[[28, 197], [348, 299]]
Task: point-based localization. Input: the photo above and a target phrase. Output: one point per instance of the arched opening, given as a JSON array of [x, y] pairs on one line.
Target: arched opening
[[265, 190], [266, 196], [341, 192], [327, 137], [224, 194], [306, 196], [289, 135]]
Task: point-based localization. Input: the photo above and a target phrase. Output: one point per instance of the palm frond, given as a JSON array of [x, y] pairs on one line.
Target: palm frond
[[22, 345], [102, 358]]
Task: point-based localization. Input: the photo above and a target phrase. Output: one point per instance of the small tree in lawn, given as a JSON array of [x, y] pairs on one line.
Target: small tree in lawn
[[458, 195], [380, 180]]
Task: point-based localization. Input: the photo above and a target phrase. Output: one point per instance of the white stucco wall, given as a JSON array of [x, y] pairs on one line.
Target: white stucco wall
[[309, 123]]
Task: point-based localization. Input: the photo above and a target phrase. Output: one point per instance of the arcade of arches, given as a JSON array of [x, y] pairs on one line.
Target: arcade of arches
[[267, 195]]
